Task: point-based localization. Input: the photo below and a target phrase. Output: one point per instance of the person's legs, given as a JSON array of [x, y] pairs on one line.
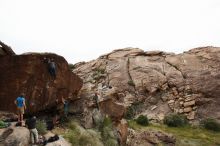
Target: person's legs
[[35, 132], [32, 136], [53, 73], [50, 70], [19, 114], [21, 117], [65, 111], [55, 118]]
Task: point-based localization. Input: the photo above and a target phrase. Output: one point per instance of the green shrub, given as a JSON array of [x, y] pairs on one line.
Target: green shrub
[[142, 120], [175, 120], [107, 122], [85, 140], [111, 142], [130, 113], [136, 107], [71, 66], [77, 138], [210, 124], [107, 133], [131, 83], [41, 127], [72, 137]]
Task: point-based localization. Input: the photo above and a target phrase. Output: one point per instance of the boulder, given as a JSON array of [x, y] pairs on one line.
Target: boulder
[[28, 74], [20, 136], [151, 138], [189, 103], [5, 50], [114, 110], [191, 115], [122, 129], [187, 109]]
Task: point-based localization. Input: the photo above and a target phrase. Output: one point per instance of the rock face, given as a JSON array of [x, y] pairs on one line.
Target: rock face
[[160, 83], [5, 50], [29, 74], [16, 136], [150, 138], [112, 109]]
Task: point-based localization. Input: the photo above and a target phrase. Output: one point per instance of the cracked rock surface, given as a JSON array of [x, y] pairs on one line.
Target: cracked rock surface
[[161, 83]]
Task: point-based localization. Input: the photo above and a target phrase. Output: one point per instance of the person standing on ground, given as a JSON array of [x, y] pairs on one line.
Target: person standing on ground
[[65, 106], [31, 124], [21, 107], [55, 112]]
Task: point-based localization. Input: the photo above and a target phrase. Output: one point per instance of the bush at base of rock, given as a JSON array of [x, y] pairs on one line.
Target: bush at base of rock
[[142, 120], [108, 134], [175, 120], [111, 142], [77, 137], [71, 66], [132, 110], [130, 113], [211, 124], [41, 127]]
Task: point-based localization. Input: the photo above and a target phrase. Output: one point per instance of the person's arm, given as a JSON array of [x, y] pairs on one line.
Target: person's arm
[[24, 104], [63, 100], [15, 102]]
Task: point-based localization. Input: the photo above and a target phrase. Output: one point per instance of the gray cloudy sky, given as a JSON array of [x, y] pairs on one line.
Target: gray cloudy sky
[[81, 30]]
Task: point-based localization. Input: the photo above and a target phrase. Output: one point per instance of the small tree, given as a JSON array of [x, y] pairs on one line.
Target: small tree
[[210, 124], [41, 127], [175, 120], [142, 120], [71, 66], [130, 113]]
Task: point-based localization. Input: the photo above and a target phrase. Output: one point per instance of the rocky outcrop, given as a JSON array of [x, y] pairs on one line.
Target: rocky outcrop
[[122, 129], [5, 50], [28, 74], [112, 109], [150, 138], [160, 82], [15, 136]]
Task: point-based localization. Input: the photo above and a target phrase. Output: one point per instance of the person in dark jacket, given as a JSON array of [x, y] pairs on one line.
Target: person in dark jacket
[[31, 124], [65, 106], [52, 68], [96, 99]]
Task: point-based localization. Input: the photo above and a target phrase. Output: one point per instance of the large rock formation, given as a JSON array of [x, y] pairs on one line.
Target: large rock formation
[[158, 82], [28, 74]]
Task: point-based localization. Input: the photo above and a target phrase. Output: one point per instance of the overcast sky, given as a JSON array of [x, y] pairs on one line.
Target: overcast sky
[[81, 30]]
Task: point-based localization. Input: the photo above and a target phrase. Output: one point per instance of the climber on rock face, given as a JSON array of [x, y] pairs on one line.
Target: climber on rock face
[[96, 99], [52, 68], [21, 106]]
